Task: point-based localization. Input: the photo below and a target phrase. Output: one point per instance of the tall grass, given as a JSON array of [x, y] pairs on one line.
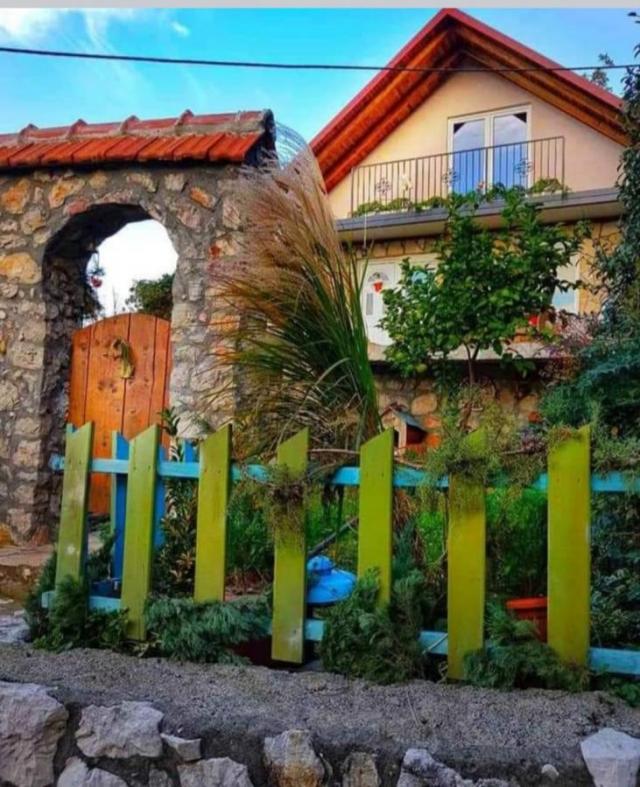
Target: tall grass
[[297, 343]]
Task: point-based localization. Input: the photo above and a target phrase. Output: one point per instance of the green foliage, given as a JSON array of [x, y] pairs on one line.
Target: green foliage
[[615, 598], [626, 689], [514, 659], [205, 632], [71, 624], [517, 543], [152, 296], [499, 451], [486, 285], [36, 616], [298, 351], [599, 76], [378, 643]]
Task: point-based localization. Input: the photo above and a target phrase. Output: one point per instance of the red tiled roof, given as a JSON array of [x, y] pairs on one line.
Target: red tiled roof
[[215, 138], [445, 41]]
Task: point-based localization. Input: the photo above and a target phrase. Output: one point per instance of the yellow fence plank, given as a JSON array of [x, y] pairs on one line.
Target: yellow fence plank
[[75, 498], [466, 549], [138, 533], [289, 575], [569, 561], [213, 499], [375, 519]]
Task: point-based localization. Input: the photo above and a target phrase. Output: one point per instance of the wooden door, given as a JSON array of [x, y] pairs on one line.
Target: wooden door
[[120, 371]]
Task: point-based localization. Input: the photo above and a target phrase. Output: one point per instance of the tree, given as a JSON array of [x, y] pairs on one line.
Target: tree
[[599, 75], [152, 296], [486, 286]]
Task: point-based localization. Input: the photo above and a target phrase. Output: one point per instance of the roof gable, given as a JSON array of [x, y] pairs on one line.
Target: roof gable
[[446, 41]]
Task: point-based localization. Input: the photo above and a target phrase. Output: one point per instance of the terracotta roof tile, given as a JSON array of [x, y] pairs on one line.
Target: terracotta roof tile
[[225, 137]]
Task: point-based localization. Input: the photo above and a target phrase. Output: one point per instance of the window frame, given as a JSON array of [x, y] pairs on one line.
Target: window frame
[[488, 116]]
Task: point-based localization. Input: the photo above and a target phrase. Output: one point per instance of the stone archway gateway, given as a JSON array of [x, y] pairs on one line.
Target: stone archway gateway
[[62, 192]]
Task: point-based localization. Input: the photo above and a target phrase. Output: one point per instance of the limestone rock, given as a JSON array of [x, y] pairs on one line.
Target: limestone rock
[[174, 182], [292, 761], [420, 769], [15, 198], [9, 396], [20, 267], [185, 749], [550, 772], [159, 778], [63, 189], [77, 774], [124, 730], [359, 770], [612, 758], [424, 404], [31, 724], [217, 772]]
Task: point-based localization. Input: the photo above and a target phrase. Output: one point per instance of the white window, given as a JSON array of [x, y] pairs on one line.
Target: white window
[[490, 148], [568, 300]]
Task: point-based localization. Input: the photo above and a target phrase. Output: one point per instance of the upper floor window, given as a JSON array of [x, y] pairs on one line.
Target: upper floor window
[[490, 148]]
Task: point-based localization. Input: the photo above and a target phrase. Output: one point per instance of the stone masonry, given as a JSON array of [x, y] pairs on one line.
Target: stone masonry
[[50, 223]]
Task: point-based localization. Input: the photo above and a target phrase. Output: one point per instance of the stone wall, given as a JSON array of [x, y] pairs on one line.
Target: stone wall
[[50, 223], [213, 726]]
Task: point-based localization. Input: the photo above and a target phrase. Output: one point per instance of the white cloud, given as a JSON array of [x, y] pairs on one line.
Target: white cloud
[[28, 25], [180, 29]]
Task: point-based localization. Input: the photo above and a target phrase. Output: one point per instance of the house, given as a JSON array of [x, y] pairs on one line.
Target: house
[[409, 137]]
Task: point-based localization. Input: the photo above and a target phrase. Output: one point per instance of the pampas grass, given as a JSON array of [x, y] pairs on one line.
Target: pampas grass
[[296, 344]]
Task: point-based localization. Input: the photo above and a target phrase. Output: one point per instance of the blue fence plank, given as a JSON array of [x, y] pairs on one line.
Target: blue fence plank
[[159, 505], [625, 662], [120, 448]]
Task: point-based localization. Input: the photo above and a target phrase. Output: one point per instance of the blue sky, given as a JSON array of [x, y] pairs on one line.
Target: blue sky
[[50, 92]]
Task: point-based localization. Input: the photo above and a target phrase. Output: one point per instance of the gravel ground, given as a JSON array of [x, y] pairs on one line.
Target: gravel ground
[[481, 733]]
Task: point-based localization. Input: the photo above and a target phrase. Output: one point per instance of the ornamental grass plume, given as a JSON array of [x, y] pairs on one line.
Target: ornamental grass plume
[[296, 348]]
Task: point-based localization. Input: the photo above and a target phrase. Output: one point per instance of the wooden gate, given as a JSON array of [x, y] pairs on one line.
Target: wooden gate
[[120, 370]]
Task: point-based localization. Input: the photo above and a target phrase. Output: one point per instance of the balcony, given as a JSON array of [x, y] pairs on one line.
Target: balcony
[[419, 184]]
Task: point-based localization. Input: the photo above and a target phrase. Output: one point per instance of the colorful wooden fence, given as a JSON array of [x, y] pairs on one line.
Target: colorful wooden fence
[[120, 370], [139, 470]]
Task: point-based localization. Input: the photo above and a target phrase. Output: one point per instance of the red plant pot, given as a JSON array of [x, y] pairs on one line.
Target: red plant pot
[[534, 609]]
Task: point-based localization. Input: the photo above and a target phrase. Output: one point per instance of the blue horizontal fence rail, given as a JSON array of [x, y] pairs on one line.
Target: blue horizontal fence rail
[[403, 478], [600, 659]]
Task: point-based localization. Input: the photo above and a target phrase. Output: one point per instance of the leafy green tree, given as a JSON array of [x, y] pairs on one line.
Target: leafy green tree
[[486, 286], [599, 75], [152, 296]]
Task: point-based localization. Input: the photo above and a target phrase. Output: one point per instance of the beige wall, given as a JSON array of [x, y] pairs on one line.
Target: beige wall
[[591, 159]]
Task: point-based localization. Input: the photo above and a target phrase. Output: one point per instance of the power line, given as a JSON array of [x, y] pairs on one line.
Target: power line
[[299, 66]]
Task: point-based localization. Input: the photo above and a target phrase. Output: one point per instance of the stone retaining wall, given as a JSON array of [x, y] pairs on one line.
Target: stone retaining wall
[[108, 720]]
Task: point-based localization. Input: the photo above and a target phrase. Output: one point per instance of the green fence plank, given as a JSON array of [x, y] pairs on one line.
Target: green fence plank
[[138, 533], [375, 519], [75, 497], [569, 561], [213, 499], [289, 574], [466, 550]]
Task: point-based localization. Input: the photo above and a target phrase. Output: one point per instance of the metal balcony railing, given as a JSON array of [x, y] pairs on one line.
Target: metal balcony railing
[[407, 183]]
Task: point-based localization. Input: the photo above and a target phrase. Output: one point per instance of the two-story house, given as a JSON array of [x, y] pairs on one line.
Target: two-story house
[[463, 107]]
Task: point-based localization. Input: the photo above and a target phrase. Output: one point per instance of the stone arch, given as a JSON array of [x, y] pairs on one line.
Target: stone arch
[[58, 219]]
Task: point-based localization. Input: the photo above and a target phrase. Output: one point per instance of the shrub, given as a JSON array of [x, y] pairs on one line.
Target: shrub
[[206, 632], [378, 643], [514, 659], [71, 624], [517, 542]]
